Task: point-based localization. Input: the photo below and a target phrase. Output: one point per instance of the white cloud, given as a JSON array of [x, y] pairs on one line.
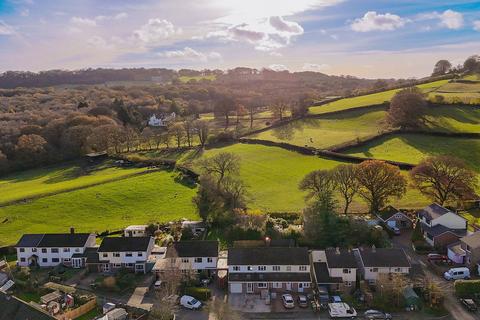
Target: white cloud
[[118, 16], [5, 29], [451, 19], [372, 21], [476, 25], [83, 22], [156, 30], [277, 67], [315, 67], [285, 26], [188, 53]]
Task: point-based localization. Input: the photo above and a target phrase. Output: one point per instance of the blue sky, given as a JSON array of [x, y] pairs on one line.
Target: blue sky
[[361, 38]]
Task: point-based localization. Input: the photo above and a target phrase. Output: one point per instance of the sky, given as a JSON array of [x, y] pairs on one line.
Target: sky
[[363, 38]]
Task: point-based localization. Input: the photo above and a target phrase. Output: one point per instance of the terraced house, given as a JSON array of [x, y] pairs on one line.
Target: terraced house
[[279, 269], [335, 269], [52, 249]]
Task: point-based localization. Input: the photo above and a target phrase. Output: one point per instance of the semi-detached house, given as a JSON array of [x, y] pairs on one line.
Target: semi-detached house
[[375, 262], [335, 269], [279, 269]]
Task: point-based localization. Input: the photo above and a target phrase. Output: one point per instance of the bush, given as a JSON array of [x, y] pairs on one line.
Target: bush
[[202, 294], [420, 246], [467, 288], [291, 217], [222, 137]]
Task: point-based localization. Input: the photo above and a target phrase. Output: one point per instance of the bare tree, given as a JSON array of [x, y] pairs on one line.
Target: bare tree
[[202, 128], [346, 183], [279, 108], [177, 130], [221, 165], [318, 183]]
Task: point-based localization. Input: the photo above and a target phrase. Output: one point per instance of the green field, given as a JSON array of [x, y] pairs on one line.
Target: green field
[[370, 99], [328, 131], [154, 196], [32, 183], [412, 148], [453, 119], [186, 79], [273, 174]]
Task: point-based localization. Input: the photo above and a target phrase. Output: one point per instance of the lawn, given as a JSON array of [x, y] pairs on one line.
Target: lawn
[[328, 131], [370, 99], [151, 197], [412, 148], [37, 182], [453, 119], [273, 174]]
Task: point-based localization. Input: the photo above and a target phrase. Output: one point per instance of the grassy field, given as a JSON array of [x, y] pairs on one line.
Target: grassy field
[[273, 174], [453, 119], [185, 79], [329, 131], [366, 100], [54, 179], [154, 196], [412, 148]]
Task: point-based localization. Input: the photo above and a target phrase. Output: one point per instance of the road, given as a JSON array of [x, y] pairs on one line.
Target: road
[[450, 301]]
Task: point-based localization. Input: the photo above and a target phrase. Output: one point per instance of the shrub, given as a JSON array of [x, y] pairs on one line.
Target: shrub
[[467, 288], [291, 217], [199, 293]]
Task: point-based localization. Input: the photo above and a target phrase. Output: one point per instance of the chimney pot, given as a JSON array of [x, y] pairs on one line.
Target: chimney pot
[[72, 230]]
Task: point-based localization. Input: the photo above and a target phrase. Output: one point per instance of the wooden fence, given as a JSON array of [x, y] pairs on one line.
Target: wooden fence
[[80, 311]]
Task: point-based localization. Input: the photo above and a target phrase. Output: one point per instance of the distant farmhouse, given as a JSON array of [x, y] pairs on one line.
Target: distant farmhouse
[[161, 121]]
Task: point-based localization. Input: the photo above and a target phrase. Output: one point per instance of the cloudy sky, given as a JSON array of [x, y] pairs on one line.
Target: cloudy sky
[[383, 38]]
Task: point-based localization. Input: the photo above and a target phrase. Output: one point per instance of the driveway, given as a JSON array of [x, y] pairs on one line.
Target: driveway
[[450, 301]]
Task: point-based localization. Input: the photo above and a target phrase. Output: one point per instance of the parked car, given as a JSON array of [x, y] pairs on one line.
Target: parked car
[[336, 299], [288, 302], [323, 297], [158, 284], [457, 273], [302, 301], [190, 302], [436, 257], [396, 230], [341, 310], [469, 304], [376, 314]]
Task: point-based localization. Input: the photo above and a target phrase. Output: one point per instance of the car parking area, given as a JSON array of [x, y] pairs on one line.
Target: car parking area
[[254, 303]]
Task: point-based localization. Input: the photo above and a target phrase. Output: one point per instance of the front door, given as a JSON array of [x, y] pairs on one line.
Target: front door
[[76, 263], [249, 287], [288, 286], [300, 287], [106, 267]]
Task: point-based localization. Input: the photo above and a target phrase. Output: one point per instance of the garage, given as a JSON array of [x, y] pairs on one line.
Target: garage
[[235, 288]]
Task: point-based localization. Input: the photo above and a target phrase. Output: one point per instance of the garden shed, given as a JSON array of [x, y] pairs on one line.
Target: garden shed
[[412, 300]]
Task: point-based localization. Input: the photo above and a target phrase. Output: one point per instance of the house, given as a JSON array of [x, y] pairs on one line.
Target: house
[[466, 251], [441, 237], [373, 262], [135, 231], [122, 252], [12, 308], [277, 269], [161, 121], [52, 249], [335, 269], [393, 217], [189, 256]]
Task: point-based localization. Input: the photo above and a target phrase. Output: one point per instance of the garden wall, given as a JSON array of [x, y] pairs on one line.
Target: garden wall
[[75, 313]]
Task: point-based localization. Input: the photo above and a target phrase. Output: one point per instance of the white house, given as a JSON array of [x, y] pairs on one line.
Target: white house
[[277, 269], [135, 231], [395, 218], [162, 121], [373, 262], [52, 249], [335, 269], [189, 256], [435, 214], [124, 252]]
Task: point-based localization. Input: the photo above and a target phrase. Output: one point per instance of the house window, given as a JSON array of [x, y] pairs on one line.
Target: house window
[[276, 268], [276, 285], [397, 270], [306, 284], [236, 268], [44, 260], [55, 260], [209, 260], [198, 260], [105, 255], [262, 268], [66, 260], [302, 268], [117, 265], [185, 260], [128, 254], [77, 249], [22, 249], [129, 265], [22, 259], [348, 283], [347, 270], [34, 249], [140, 254], [116, 254], [262, 285], [66, 249], [139, 266], [249, 268], [54, 250], [373, 269], [289, 268], [44, 250]]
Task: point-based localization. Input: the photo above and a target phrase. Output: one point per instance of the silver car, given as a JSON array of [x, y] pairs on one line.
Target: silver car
[[376, 314]]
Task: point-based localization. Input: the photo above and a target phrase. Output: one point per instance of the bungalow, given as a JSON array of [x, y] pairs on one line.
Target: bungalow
[[374, 262], [122, 252], [135, 231], [52, 249], [441, 237], [277, 269], [189, 256], [466, 251], [393, 217], [335, 269]]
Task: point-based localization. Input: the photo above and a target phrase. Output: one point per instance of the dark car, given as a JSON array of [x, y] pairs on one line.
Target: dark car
[[323, 297], [436, 257], [469, 304], [376, 314], [302, 301]]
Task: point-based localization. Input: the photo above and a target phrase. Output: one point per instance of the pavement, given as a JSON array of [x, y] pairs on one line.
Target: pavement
[[451, 303]]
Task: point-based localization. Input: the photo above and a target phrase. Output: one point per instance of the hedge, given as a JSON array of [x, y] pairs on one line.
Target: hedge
[[199, 293], [467, 288]]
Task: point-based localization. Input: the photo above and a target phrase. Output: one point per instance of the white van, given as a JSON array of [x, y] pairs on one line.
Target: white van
[[457, 273], [341, 310]]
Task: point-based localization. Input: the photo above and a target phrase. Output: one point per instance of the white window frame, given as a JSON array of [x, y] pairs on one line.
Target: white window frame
[[198, 260], [209, 260], [262, 285], [236, 268], [262, 268], [276, 268], [302, 268], [348, 283]]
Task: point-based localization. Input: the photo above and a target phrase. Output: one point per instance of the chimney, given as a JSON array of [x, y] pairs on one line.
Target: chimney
[[374, 248], [72, 230]]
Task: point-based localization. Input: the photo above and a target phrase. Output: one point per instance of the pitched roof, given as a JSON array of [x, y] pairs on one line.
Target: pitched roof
[[49, 240], [16, 309], [341, 258], [191, 249], [472, 240], [439, 229], [322, 275], [384, 257], [124, 244], [270, 276], [433, 211], [268, 256], [387, 212]]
